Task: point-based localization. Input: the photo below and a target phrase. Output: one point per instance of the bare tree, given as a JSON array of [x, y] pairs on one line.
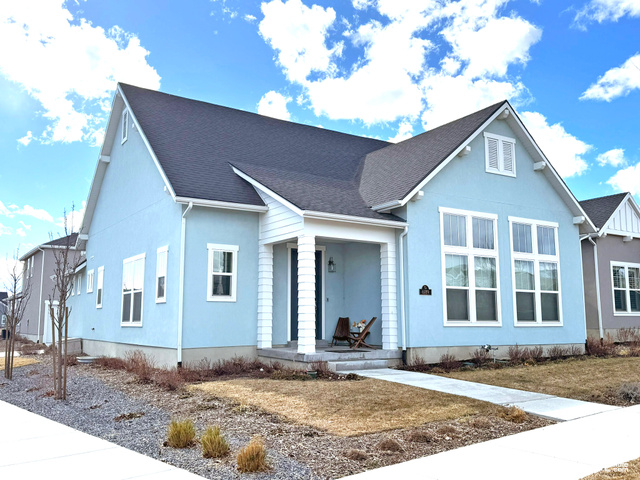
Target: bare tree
[[19, 290], [65, 263]]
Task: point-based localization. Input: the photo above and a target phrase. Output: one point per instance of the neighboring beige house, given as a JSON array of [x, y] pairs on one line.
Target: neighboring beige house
[[39, 265], [611, 265]]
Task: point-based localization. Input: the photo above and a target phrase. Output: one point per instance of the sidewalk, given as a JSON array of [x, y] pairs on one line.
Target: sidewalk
[[568, 451], [30, 443], [547, 406]]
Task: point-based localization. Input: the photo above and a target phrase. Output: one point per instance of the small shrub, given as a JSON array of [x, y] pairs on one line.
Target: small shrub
[[168, 379], [140, 365], [515, 355], [601, 348], [448, 362], [556, 352], [629, 336], [480, 356], [322, 369], [390, 445], [213, 443], [535, 353], [481, 423], [575, 351], [447, 431], [420, 437], [357, 455], [253, 457], [514, 414], [72, 360], [111, 363], [629, 392], [181, 434]]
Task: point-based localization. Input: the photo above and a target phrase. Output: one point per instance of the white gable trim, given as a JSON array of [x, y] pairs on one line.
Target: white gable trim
[[267, 190], [607, 227]]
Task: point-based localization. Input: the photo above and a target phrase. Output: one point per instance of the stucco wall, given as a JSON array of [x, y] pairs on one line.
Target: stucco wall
[[590, 296], [464, 184]]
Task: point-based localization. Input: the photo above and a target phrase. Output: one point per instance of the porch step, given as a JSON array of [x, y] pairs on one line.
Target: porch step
[[361, 364]]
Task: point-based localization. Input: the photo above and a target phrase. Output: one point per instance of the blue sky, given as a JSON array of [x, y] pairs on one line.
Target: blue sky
[[383, 68]]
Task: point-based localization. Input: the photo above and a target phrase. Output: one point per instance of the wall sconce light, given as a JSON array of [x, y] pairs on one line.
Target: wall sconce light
[[332, 265]]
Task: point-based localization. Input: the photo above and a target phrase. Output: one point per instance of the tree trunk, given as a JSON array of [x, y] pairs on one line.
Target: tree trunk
[[66, 333]]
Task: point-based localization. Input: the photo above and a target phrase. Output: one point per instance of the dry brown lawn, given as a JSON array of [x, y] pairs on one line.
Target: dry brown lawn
[[590, 379], [19, 362], [624, 471], [348, 408]]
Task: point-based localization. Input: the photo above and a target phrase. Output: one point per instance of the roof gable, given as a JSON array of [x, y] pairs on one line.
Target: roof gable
[[617, 214]]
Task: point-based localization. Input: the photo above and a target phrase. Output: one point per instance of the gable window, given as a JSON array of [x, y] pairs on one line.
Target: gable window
[[132, 287], [223, 273], [625, 279], [99, 289], [125, 125], [470, 267], [161, 275], [500, 154], [90, 281], [536, 272]]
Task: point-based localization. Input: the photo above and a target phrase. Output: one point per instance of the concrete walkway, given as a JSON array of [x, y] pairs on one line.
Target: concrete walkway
[[568, 451], [547, 406], [31, 443]]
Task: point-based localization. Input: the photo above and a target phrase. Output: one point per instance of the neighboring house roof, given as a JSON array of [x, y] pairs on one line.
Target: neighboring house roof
[[600, 209], [4, 296], [56, 243]]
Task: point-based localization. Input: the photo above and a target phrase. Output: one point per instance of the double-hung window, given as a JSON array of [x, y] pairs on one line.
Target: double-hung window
[[99, 288], [536, 272], [223, 273], [90, 281], [625, 279], [470, 267], [500, 154], [132, 287], [161, 274]]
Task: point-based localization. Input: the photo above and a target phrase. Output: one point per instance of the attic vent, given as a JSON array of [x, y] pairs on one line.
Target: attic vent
[[500, 154]]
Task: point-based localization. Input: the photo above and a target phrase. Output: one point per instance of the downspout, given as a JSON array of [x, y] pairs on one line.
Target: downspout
[[402, 315], [597, 273], [181, 288], [39, 339]]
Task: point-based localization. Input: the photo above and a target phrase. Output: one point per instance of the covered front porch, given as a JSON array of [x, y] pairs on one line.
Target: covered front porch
[[329, 270]]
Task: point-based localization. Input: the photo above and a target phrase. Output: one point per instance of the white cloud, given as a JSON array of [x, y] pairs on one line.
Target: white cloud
[[362, 4], [250, 18], [28, 227], [20, 232], [614, 157], [616, 82], [26, 140], [298, 33], [274, 104], [30, 211], [73, 219], [564, 151], [606, 10], [405, 131], [627, 179], [4, 211], [72, 65], [4, 230]]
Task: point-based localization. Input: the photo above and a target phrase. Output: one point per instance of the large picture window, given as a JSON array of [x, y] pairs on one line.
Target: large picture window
[[470, 263], [222, 273], [132, 290], [625, 278], [536, 272]]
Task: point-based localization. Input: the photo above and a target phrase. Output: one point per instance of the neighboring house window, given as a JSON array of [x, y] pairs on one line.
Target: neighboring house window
[[125, 125], [625, 279], [161, 275], [470, 262], [132, 287], [223, 273], [99, 291], [4, 321], [90, 281], [536, 272], [78, 283], [500, 154]]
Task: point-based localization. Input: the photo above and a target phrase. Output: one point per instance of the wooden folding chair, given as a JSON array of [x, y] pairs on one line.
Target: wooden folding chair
[[342, 331], [356, 340]]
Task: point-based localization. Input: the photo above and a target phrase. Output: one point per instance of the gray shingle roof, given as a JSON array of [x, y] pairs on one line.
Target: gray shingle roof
[[392, 172], [62, 241], [600, 209]]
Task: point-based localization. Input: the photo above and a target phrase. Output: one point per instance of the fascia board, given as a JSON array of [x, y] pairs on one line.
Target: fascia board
[[268, 191], [219, 204]]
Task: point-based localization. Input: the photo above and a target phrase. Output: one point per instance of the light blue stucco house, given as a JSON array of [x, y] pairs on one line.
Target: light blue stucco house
[[212, 232]]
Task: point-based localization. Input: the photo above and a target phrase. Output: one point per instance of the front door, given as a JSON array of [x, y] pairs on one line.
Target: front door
[[294, 294]]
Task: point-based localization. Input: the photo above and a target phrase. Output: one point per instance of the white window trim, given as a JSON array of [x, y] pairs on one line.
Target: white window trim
[[90, 281], [131, 323], [160, 250], [211, 247], [100, 287], [125, 126], [626, 266], [499, 138], [78, 283], [536, 258], [469, 251]]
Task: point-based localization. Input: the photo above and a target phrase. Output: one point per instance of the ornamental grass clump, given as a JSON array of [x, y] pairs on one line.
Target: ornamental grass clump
[[181, 434], [253, 457], [214, 444]]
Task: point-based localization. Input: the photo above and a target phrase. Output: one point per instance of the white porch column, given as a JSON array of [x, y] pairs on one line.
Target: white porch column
[[265, 296], [389, 296], [306, 294]]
